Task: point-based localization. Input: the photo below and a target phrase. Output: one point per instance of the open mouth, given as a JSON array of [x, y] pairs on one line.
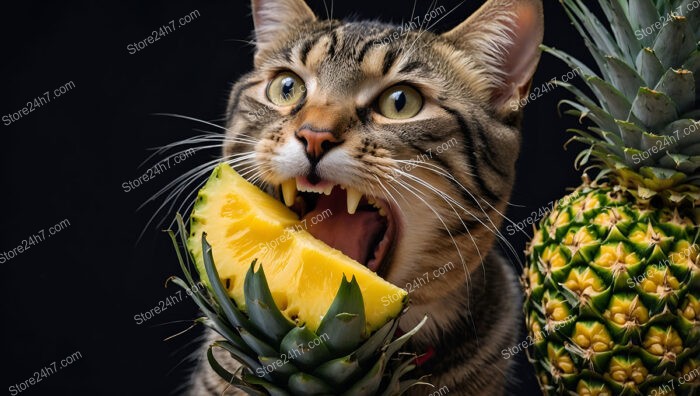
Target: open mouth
[[363, 228]]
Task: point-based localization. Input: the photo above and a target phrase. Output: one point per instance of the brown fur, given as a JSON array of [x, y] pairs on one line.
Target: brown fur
[[452, 203]]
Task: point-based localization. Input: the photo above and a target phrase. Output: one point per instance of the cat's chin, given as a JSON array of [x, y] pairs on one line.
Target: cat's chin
[[363, 228]]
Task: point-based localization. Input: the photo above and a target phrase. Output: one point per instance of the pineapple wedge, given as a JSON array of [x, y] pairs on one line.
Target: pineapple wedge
[[242, 223]]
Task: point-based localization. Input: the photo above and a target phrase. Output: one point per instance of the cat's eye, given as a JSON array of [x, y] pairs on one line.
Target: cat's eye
[[286, 89], [400, 102]]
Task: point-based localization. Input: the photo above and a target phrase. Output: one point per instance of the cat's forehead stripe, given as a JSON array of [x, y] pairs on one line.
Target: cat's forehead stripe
[[306, 48], [389, 60], [332, 44]]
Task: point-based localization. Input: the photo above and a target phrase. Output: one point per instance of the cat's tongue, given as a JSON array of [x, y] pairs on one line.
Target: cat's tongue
[[356, 235]]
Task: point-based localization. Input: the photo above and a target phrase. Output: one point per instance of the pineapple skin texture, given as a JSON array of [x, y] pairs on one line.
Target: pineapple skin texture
[[612, 296]]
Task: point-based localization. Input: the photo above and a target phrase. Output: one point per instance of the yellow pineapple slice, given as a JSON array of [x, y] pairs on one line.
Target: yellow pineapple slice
[[243, 223]]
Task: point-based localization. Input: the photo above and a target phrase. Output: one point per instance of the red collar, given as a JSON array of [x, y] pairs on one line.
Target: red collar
[[424, 358], [420, 360]]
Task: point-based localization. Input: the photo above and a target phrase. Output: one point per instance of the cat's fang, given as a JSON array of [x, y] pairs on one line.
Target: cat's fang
[[354, 198], [289, 191]]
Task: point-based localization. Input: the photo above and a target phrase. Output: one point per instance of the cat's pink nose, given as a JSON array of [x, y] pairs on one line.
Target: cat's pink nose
[[316, 143]]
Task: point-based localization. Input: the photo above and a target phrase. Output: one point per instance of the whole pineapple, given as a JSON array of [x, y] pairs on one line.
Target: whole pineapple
[[613, 278]]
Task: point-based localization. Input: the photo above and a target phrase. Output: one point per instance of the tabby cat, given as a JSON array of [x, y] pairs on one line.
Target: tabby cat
[[424, 123]]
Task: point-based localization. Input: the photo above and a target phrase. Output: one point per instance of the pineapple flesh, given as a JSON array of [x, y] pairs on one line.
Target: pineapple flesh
[[243, 224], [613, 279]]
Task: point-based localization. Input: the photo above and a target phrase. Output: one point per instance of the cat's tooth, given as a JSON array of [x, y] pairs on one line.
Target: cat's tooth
[[354, 198], [328, 190], [289, 191], [371, 201], [301, 187], [382, 212]]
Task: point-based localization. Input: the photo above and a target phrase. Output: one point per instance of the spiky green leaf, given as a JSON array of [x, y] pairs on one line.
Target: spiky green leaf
[[649, 67], [654, 109], [303, 384], [675, 42], [679, 86], [347, 315], [643, 14], [305, 348], [227, 305], [262, 309]]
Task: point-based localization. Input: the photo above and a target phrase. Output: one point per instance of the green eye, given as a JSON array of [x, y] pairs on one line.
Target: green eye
[[400, 102], [286, 89]]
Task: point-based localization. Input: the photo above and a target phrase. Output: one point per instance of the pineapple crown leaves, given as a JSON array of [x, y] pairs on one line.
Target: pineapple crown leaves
[[345, 358], [645, 106]]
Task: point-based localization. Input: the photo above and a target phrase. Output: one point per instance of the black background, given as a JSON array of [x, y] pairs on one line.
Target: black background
[[80, 289]]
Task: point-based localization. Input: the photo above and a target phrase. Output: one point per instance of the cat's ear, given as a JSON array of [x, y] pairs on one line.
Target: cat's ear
[[273, 16], [505, 35]]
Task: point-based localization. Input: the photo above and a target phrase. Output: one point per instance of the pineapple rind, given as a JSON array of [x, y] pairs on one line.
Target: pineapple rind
[[622, 305]]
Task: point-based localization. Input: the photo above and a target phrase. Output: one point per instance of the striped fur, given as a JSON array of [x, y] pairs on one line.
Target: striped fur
[[451, 203]]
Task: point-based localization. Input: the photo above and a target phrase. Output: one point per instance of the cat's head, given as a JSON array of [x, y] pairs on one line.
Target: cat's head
[[413, 132]]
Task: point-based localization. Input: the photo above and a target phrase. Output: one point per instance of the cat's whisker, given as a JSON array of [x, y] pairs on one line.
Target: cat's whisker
[[248, 42], [219, 138], [418, 163], [410, 50], [411, 189], [187, 204], [461, 257], [440, 171], [328, 15], [454, 242], [420, 27], [450, 202], [237, 137], [184, 117], [510, 247], [194, 172], [390, 195], [447, 199], [502, 240], [196, 188], [257, 178], [413, 13], [245, 171], [161, 150], [445, 196], [177, 187], [237, 164]]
